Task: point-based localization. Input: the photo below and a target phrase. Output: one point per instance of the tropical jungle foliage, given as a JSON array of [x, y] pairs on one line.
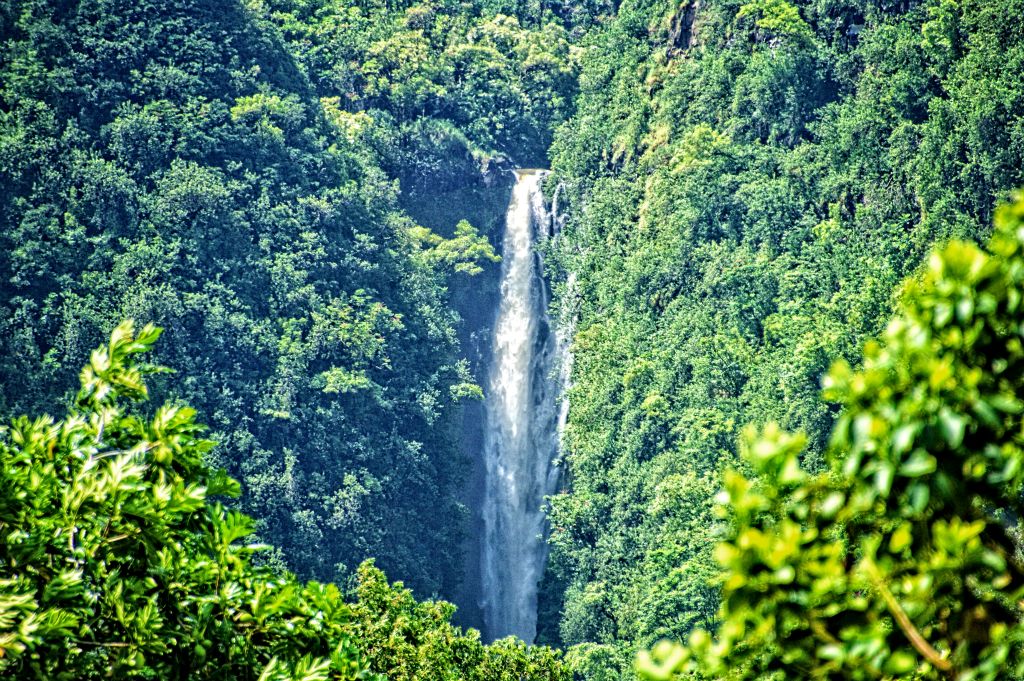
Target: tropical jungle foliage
[[170, 162], [747, 185], [220, 167], [437, 88], [118, 562], [298, 191]]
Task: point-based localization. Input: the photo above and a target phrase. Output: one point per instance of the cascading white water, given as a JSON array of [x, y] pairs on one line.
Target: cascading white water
[[522, 407]]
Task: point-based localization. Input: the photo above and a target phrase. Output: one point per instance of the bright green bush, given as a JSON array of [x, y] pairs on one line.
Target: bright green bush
[[114, 560], [903, 559]]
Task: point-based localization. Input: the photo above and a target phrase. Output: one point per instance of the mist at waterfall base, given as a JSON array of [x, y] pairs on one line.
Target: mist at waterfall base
[[523, 416]]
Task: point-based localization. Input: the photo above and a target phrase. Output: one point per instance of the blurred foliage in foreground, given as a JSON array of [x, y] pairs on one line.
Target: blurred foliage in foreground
[[903, 559], [115, 563]]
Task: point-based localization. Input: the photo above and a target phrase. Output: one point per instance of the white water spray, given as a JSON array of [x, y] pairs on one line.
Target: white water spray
[[523, 419]]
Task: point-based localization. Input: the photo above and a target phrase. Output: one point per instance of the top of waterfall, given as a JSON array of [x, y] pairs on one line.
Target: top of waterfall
[[520, 172]]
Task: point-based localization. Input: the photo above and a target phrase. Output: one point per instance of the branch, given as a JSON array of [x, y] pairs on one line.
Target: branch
[[103, 644], [916, 639]]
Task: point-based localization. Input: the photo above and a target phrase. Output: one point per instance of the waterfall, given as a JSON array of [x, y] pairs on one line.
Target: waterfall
[[523, 418]]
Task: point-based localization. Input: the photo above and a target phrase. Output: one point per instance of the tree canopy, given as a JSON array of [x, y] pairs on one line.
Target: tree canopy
[[298, 192], [189, 163]]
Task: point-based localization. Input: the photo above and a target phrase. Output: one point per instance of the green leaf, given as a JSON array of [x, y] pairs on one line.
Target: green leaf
[[917, 464], [953, 426]]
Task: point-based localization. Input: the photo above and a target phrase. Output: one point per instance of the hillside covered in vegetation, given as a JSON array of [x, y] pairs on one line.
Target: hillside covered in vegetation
[[230, 171], [748, 186], [306, 197]]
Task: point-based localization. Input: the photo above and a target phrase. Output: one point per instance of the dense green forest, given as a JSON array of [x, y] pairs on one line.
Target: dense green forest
[[230, 172], [748, 185], [303, 195], [902, 559]]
